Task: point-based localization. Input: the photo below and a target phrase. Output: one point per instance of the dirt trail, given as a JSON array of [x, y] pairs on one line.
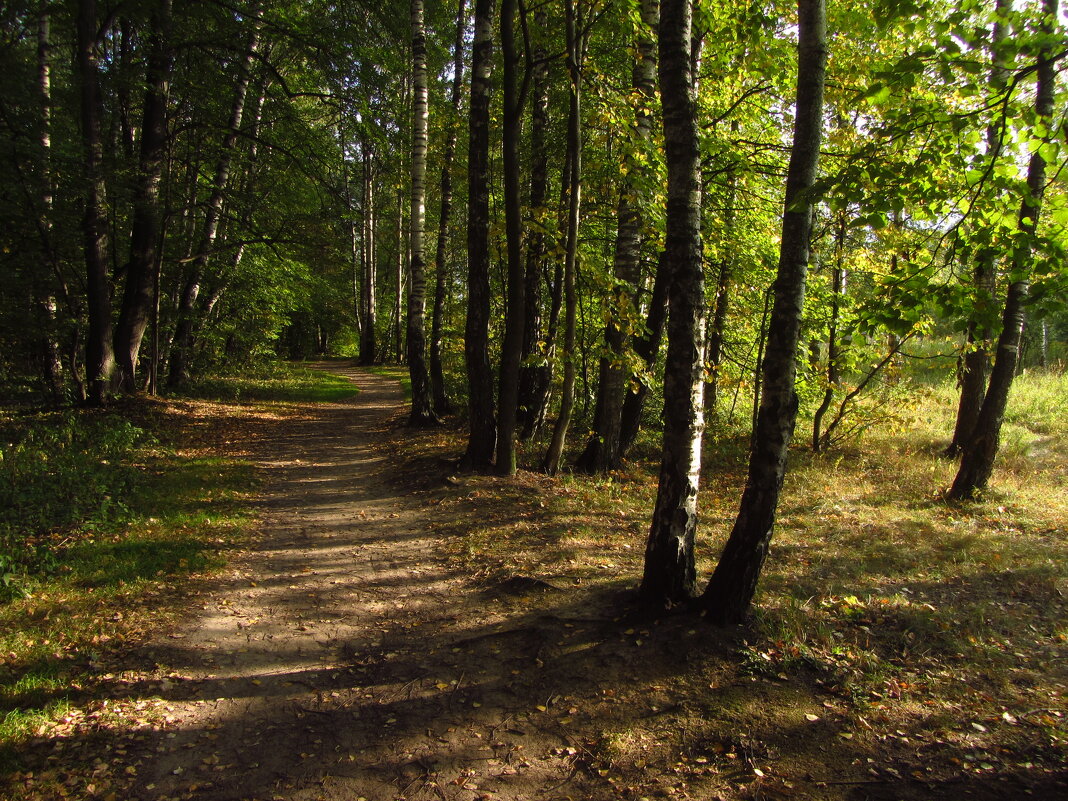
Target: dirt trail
[[340, 659], [375, 645]]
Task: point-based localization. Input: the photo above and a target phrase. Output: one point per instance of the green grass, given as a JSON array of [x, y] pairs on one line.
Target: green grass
[[105, 516], [275, 381], [400, 374], [118, 512]]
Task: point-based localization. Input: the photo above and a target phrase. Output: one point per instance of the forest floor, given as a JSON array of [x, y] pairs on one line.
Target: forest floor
[[375, 644]]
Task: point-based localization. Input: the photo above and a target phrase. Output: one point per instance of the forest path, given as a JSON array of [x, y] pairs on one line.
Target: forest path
[[340, 658]]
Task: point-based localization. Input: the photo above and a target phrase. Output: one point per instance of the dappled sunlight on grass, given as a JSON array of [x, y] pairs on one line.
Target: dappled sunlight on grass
[[172, 499], [910, 616], [274, 382]]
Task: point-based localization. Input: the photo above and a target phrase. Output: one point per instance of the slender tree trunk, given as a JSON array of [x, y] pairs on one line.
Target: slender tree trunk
[[482, 438], [647, 348], [838, 288], [181, 351], [241, 216], [354, 239], [532, 392], [669, 573], [399, 320], [442, 405], [543, 380], [99, 356], [512, 346], [724, 280], [138, 294], [758, 366], [368, 262], [603, 449], [975, 363], [422, 397], [123, 119], [977, 459], [553, 455], [43, 297], [730, 592]]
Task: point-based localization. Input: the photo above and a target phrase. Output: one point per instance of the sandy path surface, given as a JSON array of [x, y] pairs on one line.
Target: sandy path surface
[[339, 659]]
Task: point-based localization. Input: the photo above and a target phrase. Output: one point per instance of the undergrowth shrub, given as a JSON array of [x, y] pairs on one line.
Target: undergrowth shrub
[[54, 475]]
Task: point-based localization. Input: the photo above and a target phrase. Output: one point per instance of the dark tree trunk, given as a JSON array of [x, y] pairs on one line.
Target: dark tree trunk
[[730, 592], [182, 348], [512, 346], [368, 263], [975, 363], [551, 462], [669, 574], [838, 288], [603, 449], [399, 321], [542, 373], [138, 296], [977, 459], [718, 326], [482, 422], [99, 355], [422, 397], [533, 394], [647, 348], [437, 375]]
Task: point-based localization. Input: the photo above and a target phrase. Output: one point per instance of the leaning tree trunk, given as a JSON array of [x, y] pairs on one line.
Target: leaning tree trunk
[[138, 299], [482, 435], [603, 449], [975, 362], [977, 459], [99, 355], [181, 351], [551, 462], [422, 397], [730, 592], [512, 346], [437, 373], [669, 574]]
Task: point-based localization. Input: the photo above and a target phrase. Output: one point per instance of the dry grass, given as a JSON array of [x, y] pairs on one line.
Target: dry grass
[[888, 619]]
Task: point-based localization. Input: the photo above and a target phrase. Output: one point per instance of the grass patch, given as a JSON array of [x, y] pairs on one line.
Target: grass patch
[[105, 516], [108, 517], [275, 381], [399, 374]]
